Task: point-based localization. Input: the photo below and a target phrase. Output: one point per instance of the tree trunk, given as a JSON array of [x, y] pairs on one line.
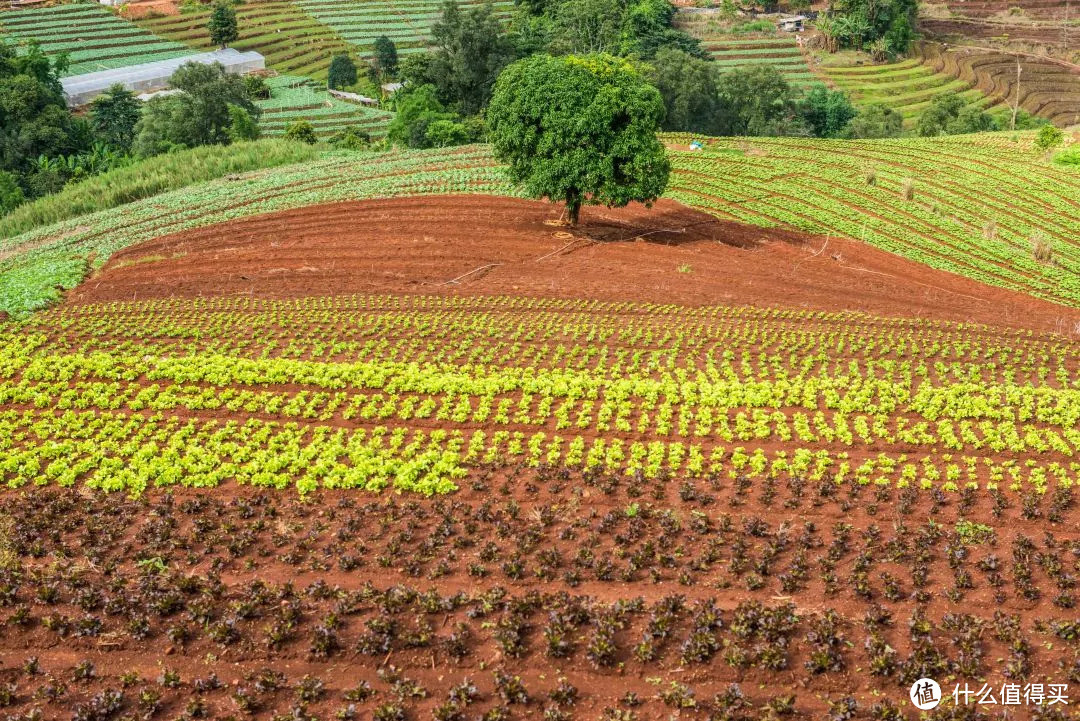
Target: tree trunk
[[573, 206]]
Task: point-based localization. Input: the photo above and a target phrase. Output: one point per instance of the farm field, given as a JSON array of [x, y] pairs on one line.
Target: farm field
[[297, 98], [408, 24], [965, 188], [94, 38], [781, 51], [526, 503], [907, 86], [1047, 88], [977, 201], [291, 41]]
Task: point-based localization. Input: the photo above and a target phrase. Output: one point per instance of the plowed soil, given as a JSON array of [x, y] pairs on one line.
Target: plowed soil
[[666, 254]]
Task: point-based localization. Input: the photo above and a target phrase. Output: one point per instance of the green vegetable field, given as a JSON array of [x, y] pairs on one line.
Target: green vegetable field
[[94, 38], [410, 392]]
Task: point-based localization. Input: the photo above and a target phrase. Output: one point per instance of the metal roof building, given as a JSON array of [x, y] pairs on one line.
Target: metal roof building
[[147, 77]]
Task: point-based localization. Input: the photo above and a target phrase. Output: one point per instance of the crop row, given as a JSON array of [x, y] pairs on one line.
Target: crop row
[[290, 40], [94, 38], [977, 203]]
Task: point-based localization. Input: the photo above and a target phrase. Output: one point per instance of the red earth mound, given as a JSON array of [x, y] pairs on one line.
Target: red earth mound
[[483, 245]]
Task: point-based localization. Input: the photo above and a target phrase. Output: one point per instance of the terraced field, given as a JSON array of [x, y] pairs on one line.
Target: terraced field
[[907, 86], [978, 200], [1048, 88], [296, 98], [291, 40], [94, 38], [732, 51], [407, 23]]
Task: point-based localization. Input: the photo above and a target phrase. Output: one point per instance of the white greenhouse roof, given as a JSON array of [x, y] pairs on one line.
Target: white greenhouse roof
[[147, 77]]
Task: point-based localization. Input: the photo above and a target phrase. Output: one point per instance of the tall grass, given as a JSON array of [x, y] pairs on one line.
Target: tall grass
[[150, 177]]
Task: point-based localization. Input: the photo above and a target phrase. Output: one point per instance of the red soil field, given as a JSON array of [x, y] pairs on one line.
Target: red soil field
[[667, 254]]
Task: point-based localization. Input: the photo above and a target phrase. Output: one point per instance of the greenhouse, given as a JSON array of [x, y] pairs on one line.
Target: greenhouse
[[147, 77]]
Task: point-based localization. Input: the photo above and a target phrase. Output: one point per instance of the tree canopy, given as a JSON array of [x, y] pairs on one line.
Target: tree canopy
[[198, 115], [342, 72], [222, 24], [114, 115], [579, 130]]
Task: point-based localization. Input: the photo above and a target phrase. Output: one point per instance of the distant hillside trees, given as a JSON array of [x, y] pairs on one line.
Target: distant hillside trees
[[342, 72], [581, 130], [41, 143], [885, 28], [876, 121], [386, 57], [114, 115], [197, 115], [222, 25]]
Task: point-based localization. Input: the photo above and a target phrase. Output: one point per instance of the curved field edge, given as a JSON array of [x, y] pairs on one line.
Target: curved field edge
[[978, 202], [26, 283]]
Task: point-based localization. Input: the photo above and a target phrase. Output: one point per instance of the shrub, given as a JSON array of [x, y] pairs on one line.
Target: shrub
[[907, 189], [302, 131], [1069, 156], [1049, 136], [1042, 248]]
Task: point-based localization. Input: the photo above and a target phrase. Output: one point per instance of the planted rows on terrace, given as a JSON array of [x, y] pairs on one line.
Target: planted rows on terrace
[[291, 40], [294, 98], [978, 201], [94, 38], [408, 23], [414, 392], [781, 51], [907, 86], [34, 264]]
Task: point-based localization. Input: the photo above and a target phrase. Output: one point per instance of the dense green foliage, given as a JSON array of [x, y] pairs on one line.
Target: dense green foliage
[[150, 177], [948, 115], [342, 72], [35, 122], [876, 121], [301, 131], [114, 114], [827, 112], [688, 86], [386, 57], [198, 115], [422, 121], [618, 27], [470, 51], [580, 130], [222, 24], [884, 28]]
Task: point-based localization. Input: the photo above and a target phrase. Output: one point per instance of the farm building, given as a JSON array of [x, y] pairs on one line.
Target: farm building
[[148, 77], [792, 24]]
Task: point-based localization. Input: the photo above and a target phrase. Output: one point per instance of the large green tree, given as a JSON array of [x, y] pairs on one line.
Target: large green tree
[[826, 111], [114, 114], [757, 101], [198, 115], [222, 24], [471, 49], [386, 57], [579, 130]]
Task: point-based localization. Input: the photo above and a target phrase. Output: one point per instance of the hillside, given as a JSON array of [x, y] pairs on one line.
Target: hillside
[[407, 23], [907, 86], [296, 98], [978, 202], [94, 38], [291, 41]]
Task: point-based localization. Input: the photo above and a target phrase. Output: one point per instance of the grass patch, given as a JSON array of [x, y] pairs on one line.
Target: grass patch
[[151, 177]]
